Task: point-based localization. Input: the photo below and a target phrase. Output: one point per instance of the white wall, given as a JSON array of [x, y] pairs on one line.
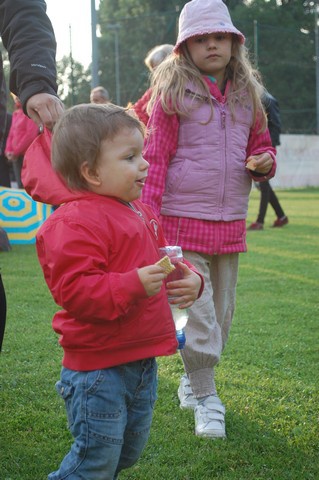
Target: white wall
[[297, 162]]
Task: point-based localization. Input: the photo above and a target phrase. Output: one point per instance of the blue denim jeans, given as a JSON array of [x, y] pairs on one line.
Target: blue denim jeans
[[109, 415]]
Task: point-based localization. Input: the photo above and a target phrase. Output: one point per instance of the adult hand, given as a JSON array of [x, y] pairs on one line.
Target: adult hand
[[44, 109]]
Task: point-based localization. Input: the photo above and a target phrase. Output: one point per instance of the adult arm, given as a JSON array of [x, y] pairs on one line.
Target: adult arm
[[28, 36], [273, 118]]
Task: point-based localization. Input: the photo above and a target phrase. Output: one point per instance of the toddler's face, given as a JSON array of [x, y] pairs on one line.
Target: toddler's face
[[122, 170], [211, 53]]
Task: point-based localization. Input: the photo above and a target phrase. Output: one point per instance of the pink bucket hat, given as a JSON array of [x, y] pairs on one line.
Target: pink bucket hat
[[204, 16]]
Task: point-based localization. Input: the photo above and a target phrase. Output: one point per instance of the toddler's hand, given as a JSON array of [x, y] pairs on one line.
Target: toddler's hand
[[185, 290], [262, 163], [152, 278]]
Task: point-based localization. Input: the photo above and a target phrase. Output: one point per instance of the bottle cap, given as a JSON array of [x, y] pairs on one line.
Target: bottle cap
[[180, 337]]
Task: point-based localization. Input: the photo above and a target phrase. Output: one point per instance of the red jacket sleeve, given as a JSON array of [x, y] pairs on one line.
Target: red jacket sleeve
[[74, 266], [260, 142]]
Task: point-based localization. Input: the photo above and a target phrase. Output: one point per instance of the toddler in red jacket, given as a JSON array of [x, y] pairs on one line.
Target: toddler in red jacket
[[98, 252]]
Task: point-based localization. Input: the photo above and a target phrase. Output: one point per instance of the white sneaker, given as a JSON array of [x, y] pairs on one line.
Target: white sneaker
[[210, 418], [185, 394]]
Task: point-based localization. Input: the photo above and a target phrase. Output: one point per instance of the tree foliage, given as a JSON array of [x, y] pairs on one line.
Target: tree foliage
[[74, 83], [281, 39], [140, 25]]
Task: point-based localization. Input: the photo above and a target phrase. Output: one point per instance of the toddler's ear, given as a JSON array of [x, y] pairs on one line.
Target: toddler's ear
[[90, 175]]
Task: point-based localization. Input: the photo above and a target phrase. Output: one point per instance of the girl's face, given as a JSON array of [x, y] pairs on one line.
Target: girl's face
[[122, 170], [211, 53]]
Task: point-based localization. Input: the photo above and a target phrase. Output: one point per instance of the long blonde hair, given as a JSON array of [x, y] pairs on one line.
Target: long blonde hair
[[170, 79]]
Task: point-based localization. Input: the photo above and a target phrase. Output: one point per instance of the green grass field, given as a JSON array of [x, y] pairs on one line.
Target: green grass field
[[268, 376]]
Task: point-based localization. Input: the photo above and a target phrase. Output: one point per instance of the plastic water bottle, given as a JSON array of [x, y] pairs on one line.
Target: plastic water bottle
[[180, 315]]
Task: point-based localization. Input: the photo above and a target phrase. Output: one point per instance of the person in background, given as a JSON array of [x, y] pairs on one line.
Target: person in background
[[28, 36], [267, 195], [206, 121], [99, 95], [98, 253], [22, 132], [154, 57], [5, 170]]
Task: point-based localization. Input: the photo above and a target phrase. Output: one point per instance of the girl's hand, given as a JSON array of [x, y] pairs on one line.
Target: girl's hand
[[152, 278], [262, 163], [186, 290]]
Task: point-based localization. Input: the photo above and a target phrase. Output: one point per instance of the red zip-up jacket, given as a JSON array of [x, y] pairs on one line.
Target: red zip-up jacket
[[90, 249]]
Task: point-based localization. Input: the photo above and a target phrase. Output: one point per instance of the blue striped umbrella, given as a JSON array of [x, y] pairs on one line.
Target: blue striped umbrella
[[20, 216]]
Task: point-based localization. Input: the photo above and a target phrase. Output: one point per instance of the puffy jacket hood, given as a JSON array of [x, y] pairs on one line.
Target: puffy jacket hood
[[41, 182]]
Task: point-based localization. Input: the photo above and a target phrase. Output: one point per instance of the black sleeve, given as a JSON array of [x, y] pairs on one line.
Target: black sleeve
[[28, 36], [273, 118]]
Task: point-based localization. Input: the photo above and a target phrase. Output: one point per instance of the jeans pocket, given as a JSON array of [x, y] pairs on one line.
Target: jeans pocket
[[66, 391]]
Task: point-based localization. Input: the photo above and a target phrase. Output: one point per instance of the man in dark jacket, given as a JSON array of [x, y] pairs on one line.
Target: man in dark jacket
[[267, 193], [28, 36]]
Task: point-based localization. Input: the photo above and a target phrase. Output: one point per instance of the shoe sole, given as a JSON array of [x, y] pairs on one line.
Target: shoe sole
[[214, 436], [187, 406]]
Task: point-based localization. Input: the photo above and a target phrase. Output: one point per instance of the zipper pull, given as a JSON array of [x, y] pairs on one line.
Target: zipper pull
[[223, 119]]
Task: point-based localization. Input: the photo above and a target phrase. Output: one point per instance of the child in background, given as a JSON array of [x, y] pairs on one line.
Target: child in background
[[98, 252], [206, 119], [267, 195], [22, 132], [5, 178], [152, 60]]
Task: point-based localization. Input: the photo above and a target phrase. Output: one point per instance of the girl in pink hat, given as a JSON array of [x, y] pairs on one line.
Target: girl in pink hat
[[206, 122]]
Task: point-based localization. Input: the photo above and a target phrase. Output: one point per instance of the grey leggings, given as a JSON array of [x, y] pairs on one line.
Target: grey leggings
[[210, 319]]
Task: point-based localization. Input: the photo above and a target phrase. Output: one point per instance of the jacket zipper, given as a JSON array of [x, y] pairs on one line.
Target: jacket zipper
[[223, 126]]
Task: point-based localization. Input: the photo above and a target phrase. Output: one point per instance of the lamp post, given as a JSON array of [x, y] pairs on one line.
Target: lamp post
[[95, 74], [256, 42], [317, 61], [71, 66], [115, 27]]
